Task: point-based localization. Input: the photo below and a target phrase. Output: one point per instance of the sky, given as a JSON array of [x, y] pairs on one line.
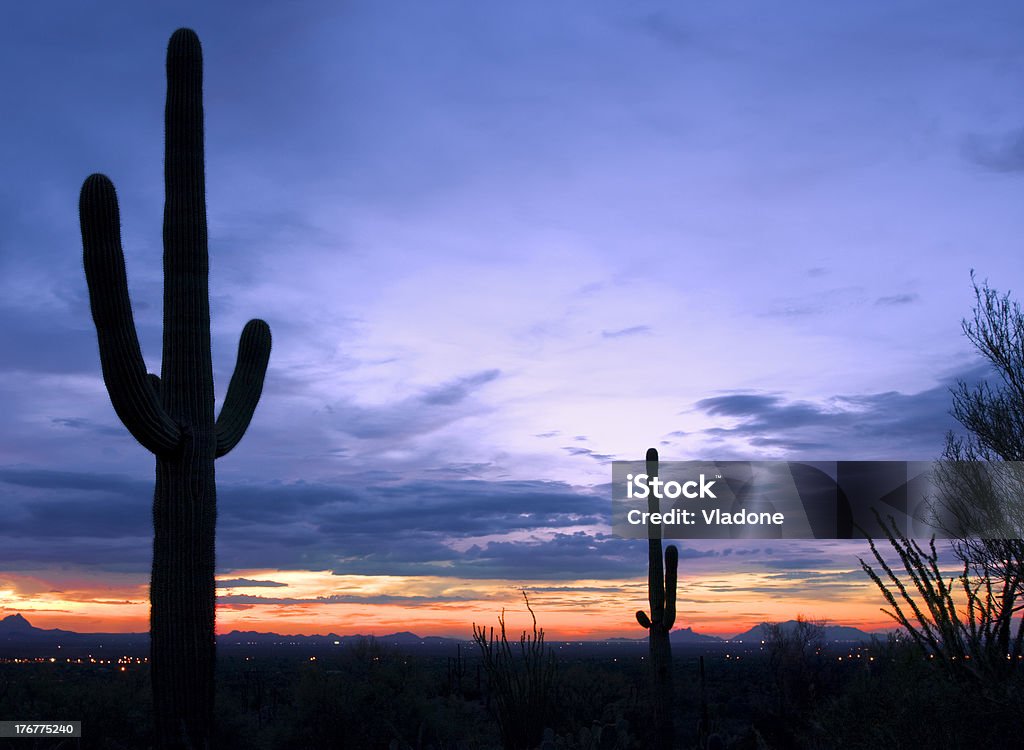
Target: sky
[[500, 246]]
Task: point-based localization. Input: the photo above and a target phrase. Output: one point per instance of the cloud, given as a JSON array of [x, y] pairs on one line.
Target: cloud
[[897, 299], [238, 583], [1003, 153], [425, 412], [573, 450], [787, 444], [236, 599], [456, 391], [631, 331], [472, 529], [80, 423], [579, 555], [843, 426], [371, 524], [49, 479], [762, 412], [792, 310], [662, 26]]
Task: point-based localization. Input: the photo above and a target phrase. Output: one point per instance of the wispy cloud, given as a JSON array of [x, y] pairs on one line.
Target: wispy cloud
[[430, 410], [897, 299], [246, 583], [1000, 153], [631, 331]]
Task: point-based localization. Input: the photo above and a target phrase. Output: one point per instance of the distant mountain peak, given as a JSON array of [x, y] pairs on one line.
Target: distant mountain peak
[[689, 635], [15, 624], [830, 632]]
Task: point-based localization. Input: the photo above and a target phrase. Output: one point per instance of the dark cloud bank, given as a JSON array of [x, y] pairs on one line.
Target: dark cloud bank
[[472, 528]]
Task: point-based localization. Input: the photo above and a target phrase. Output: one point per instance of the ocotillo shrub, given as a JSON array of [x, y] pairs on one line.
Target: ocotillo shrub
[[523, 682]]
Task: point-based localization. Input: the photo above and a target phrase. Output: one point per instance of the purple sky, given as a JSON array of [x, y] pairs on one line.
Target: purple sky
[[506, 246]]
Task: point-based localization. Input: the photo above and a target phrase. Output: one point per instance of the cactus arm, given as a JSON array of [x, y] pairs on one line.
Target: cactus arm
[[671, 565], [154, 383], [124, 370], [245, 387], [641, 617]]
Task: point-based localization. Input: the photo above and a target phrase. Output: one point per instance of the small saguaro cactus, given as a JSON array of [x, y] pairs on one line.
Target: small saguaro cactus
[[173, 415], [661, 593]]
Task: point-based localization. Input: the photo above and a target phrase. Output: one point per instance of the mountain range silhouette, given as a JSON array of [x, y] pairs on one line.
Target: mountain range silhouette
[[15, 630]]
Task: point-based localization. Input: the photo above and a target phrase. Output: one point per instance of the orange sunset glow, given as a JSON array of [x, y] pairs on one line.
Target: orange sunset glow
[[318, 602]]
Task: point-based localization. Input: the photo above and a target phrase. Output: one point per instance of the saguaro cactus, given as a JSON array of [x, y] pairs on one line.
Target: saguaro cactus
[[661, 593], [173, 415]]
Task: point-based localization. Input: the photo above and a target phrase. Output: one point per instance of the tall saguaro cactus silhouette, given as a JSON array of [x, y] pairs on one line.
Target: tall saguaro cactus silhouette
[[173, 415], [661, 593]]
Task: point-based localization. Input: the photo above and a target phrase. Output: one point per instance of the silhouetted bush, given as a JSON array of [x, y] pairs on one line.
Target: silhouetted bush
[[902, 700], [522, 680]]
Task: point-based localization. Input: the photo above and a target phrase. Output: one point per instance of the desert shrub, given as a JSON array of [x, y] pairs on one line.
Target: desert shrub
[[367, 697], [523, 680], [904, 700]]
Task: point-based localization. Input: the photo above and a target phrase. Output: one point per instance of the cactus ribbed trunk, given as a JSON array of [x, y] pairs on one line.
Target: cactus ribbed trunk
[[173, 415], [661, 665], [661, 594], [182, 594]]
